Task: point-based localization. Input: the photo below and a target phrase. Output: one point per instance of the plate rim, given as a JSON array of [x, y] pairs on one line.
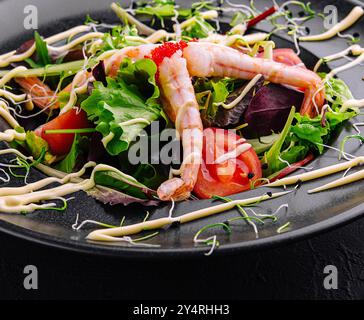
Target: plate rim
[[84, 247]]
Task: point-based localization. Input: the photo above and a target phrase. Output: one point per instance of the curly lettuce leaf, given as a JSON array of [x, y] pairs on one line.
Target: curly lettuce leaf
[[133, 95], [336, 92], [301, 135]]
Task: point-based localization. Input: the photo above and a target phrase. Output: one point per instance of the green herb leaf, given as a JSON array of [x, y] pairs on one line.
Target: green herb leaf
[[69, 163], [272, 157], [42, 50]]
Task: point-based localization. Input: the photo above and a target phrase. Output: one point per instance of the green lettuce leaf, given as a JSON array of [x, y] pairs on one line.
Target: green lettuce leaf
[[272, 157], [69, 163], [336, 92], [122, 183], [132, 95], [36, 146], [200, 28]]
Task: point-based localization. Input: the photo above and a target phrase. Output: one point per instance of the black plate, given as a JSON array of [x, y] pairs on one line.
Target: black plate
[[308, 214]]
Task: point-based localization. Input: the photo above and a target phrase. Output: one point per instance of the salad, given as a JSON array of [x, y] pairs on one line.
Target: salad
[[181, 108]]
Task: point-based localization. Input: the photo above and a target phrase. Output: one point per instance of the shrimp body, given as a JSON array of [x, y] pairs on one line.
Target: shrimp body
[[42, 96], [112, 64], [179, 102], [212, 60]]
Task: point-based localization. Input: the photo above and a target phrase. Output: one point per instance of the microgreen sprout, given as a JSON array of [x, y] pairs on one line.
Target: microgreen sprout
[[283, 228], [346, 139], [250, 220], [211, 241]]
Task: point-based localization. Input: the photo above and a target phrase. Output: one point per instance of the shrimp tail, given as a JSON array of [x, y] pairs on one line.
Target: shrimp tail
[[175, 189], [313, 101]]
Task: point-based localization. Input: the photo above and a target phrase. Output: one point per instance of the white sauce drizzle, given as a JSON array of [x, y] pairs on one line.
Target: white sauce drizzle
[[5, 114], [11, 135], [106, 140], [134, 121], [79, 40], [11, 96], [234, 153], [347, 22], [340, 182], [319, 173], [25, 199], [11, 74], [352, 103], [110, 235], [246, 90], [11, 57]]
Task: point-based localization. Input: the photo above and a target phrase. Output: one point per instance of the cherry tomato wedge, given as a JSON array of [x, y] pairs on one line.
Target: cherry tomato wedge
[[224, 175], [60, 144]]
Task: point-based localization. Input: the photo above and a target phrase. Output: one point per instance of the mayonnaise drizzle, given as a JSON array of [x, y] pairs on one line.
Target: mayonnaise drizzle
[[79, 40], [5, 114], [10, 75], [111, 235], [11, 135], [25, 199], [11, 96], [10, 57], [340, 182], [319, 173], [106, 140], [234, 153], [352, 103], [246, 90], [347, 22]]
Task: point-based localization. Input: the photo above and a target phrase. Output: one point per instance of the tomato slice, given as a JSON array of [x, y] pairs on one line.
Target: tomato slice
[[221, 175], [60, 144]]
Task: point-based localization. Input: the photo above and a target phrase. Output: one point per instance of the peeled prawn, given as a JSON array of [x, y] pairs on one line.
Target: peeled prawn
[[179, 102], [212, 60], [42, 96]]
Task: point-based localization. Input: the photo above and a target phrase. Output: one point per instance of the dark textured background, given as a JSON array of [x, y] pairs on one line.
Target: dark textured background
[[294, 271]]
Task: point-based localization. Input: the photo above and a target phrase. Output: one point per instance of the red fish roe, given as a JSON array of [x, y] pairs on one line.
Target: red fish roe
[[167, 50]]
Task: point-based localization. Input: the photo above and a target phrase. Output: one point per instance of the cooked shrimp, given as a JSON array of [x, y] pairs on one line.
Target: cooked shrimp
[[112, 64], [180, 104], [212, 60], [42, 96]]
